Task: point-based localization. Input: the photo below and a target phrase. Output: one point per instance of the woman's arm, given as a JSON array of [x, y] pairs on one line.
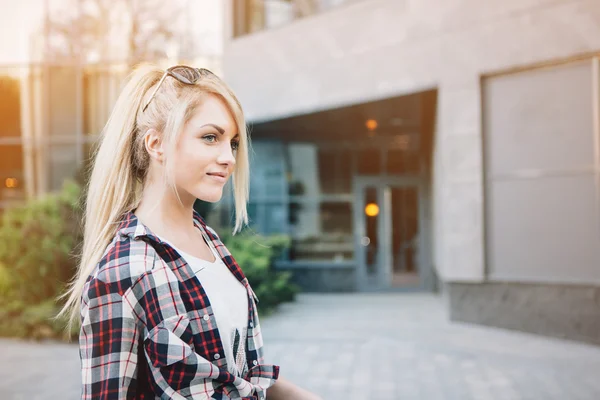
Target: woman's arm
[[286, 390], [108, 345]]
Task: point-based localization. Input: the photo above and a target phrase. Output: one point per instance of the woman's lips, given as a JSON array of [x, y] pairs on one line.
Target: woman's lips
[[218, 176]]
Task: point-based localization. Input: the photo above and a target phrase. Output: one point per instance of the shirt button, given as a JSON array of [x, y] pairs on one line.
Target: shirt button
[[255, 362], [206, 317], [251, 324], [217, 356]]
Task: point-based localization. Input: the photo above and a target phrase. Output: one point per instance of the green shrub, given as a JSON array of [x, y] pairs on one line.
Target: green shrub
[[37, 242], [36, 246], [255, 254]]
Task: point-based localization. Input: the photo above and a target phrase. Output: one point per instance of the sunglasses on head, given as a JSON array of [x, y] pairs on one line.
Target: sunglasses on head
[[183, 74]]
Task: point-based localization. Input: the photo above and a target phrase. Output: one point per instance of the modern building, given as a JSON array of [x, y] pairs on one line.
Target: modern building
[[58, 87], [430, 144]]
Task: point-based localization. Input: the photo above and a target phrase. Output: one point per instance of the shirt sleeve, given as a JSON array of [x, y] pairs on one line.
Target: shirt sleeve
[[108, 344]]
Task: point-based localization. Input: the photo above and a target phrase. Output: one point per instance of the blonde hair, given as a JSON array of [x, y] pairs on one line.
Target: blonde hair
[[121, 161]]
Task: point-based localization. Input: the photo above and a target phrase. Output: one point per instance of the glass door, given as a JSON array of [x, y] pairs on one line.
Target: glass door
[[387, 230], [403, 206]]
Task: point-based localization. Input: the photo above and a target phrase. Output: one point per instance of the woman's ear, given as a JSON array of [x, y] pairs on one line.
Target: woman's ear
[[154, 145]]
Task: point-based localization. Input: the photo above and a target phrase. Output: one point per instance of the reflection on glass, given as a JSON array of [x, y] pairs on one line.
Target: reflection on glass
[[371, 239], [255, 15], [63, 164], [335, 171], [263, 218], [321, 231], [274, 219], [401, 162], [12, 177], [369, 161], [253, 217], [405, 231], [327, 170], [220, 216], [10, 104], [100, 90], [303, 165], [62, 87], [267, 175]]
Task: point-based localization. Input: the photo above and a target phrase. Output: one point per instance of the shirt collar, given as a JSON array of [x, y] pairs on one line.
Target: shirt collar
[[131, 226]]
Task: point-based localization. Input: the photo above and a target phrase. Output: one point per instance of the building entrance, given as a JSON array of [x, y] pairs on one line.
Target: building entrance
[[388, 215]]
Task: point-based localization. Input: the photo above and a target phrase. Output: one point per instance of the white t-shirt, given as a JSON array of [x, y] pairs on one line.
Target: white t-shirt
[[229, 300]]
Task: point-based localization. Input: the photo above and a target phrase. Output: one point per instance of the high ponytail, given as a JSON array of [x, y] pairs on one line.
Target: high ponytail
[[114, 185]]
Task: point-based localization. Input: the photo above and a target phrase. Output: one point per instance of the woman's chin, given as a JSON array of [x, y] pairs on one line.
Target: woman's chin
[[210, 197]]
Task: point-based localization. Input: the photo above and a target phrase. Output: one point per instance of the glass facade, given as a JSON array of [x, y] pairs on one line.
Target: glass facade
[[51, 116], [256, 15], [305, 190], [12, 178]]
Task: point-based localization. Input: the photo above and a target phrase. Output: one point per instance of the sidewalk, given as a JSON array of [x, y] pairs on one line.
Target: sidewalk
[[367, 346]]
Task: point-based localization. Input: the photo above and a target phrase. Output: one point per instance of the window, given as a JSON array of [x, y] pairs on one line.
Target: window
[[255, 15], [12, 176], [320, 207], [63, 164], [267, 218], [62, 86], [401, 162], [267, 172], [302, 169], [335, 171], [10, 105], [100, 90], [369, 161], [321, 231]]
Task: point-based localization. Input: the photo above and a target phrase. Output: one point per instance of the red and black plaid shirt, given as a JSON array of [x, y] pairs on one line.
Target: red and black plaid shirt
[[148, 330]]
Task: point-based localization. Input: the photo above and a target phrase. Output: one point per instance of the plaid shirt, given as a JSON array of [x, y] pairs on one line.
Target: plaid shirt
[[148, 330]]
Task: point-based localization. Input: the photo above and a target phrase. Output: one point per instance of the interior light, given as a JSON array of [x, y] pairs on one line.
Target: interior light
[[11, 183], [372, 210], [371, 124]]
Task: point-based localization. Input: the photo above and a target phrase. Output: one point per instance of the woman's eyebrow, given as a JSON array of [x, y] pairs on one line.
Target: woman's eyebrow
[[217, 127]]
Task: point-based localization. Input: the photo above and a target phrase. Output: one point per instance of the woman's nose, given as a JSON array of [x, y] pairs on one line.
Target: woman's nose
[[227, 156]]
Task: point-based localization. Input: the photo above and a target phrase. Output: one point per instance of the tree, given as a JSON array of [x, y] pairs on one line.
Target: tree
[[118, 30]]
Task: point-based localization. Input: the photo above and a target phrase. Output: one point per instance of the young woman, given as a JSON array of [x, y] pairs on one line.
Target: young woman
[[166, 311]]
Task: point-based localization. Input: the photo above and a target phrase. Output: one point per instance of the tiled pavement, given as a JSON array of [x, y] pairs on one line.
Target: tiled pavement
[[367, 346]]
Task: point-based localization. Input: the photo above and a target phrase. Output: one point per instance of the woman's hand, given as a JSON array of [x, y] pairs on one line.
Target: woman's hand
[[286, 390]]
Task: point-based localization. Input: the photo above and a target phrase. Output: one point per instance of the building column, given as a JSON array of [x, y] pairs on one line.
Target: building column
[[27, 139]]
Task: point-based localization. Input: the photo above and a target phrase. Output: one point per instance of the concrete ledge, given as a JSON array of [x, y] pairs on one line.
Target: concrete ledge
[[564, 311], [324, 280]]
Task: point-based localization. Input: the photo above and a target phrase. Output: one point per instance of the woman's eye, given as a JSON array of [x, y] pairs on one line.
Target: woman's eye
[[210, 138], [235, 145]]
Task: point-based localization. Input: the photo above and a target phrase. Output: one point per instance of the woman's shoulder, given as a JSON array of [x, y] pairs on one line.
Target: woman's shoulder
[[124, 262]]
